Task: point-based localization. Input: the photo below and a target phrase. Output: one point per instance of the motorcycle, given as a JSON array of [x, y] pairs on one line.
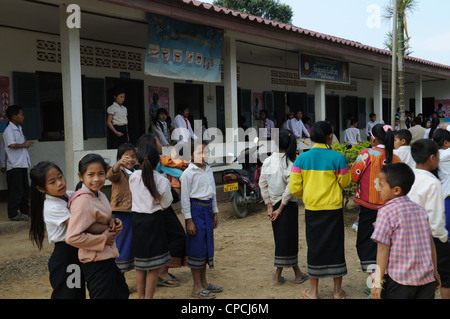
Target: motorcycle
[[243, 184]]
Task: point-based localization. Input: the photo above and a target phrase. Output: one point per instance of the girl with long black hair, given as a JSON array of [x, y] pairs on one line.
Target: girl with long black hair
[[282, 208]]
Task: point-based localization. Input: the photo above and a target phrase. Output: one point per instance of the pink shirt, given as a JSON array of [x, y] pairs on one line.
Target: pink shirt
[[86, 209], [403, 225]]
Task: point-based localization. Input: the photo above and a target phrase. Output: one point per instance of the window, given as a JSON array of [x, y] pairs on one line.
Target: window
[[41, 96]]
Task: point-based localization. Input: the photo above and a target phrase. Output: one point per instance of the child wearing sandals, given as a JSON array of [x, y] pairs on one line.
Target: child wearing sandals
[[151, 196], [199, 207], [282, 207]]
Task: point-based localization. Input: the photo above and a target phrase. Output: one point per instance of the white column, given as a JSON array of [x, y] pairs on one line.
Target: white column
[[71, 78], [418, 94], [230, 82], [319, 98], [378, 93]]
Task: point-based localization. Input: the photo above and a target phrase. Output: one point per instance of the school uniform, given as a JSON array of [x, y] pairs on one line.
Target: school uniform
[[198, 202], [365, 172], [162, 132], [404, 152], [352, 136], [298, 128], [274, 186], [149, 233], [121, 208], [183, 129], [56, 214], [265, 127], [369, 128], [17, 163], [427, 192], [104, 279], [120, 122], [318, 177], [444, 177]]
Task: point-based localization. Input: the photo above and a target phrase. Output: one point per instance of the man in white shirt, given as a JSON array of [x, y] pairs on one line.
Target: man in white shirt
[[352, 134], [265, 126], [17, 163], [371, 124], [297, 127]]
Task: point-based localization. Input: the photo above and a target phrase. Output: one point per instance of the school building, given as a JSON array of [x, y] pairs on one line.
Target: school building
[[61, 60]]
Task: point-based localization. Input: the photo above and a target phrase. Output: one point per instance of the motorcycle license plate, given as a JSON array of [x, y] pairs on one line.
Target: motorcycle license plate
[[230, 187]]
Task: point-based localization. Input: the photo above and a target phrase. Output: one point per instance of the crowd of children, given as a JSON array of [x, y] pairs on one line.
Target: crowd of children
[[403, 192]]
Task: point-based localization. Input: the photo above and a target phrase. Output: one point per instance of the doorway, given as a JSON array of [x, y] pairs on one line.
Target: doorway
[[332, 113], [192, 96], [134, 102]]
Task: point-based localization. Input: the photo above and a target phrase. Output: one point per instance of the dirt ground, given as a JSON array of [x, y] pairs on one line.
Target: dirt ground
[[244, 251]]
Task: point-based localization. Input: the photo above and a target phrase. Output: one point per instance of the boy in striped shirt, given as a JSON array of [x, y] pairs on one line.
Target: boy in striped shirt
[[406, 256]]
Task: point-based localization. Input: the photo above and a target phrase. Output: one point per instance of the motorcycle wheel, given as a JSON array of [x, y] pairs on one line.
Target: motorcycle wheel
[[240, 208]]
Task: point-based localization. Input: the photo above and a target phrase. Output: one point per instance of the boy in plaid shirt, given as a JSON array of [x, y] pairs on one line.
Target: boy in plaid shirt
[[406, 257]]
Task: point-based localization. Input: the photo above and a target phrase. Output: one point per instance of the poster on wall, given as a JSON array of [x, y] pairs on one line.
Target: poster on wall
[[324, 69], [258, 104], [442, 108], [183, 50], [5, 101], [158, 98]]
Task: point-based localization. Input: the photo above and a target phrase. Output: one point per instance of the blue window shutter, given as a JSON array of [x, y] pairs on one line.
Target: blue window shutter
[[26, 95]]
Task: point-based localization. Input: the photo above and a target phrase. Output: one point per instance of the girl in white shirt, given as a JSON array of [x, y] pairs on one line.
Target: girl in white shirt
[[282, 207], [199, 207], [151, 194], [49, 199]]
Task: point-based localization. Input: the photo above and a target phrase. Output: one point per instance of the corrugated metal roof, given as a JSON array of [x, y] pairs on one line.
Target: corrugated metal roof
[[288, 27]]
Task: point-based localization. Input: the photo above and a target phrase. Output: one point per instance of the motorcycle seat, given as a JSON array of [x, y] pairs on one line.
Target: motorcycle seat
[[235, 171]]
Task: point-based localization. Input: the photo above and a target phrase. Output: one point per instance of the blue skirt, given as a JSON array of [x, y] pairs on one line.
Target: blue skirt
[[200, 248], [124, 242]]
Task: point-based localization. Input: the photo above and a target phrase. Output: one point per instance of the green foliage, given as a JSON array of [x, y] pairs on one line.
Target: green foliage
[[268, 9], [350, 155]]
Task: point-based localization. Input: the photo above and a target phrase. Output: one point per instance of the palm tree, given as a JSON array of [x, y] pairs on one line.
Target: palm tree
[[403, 7]]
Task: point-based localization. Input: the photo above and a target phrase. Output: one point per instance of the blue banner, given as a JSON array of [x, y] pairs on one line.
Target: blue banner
[[183, 50], [324, 69]]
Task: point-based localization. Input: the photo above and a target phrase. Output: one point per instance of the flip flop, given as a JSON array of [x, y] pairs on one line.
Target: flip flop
[[214, 288], [305, 294], [204, 294], [167, 282], [343, 295], [282, 281], [303, 279]]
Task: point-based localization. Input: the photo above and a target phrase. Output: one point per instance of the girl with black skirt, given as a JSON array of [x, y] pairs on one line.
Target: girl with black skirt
[[282, 207]]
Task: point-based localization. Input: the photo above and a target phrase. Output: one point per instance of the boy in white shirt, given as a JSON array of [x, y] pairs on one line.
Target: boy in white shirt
[[402, 148], [427, 192], [352, 134], [17, 163], [371, 124]]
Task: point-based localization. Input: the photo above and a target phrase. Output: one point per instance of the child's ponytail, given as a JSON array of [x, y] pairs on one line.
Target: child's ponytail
[[385, 135], [38, 179], [148, 158]]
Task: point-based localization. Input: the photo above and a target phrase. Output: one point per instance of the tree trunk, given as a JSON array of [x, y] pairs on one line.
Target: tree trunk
[[401, 65]]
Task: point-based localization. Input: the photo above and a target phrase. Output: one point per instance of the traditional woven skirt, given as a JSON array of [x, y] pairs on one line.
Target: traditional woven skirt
[[325, 240], [124, 242], [285, 233], [151, 250], [176, 239], [200, 248], [365, 246]]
